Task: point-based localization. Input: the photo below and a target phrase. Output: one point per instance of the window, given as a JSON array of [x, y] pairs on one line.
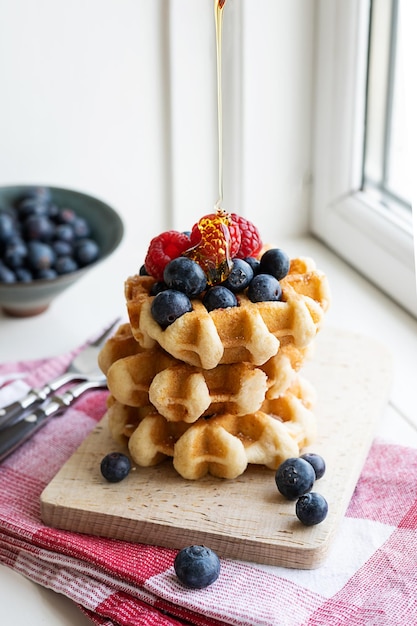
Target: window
[[385, 172], [361, 195]]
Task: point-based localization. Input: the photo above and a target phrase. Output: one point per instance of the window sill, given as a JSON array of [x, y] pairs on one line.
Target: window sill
[[377, 246], [359, 306]]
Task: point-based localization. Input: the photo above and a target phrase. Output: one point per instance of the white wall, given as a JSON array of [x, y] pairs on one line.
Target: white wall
[[118, 98]]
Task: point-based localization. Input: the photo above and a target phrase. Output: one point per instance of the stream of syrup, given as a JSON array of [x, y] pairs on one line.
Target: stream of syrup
[[218, 17]]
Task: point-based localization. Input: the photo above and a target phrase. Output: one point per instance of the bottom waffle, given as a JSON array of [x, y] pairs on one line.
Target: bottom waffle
[[222, 445]]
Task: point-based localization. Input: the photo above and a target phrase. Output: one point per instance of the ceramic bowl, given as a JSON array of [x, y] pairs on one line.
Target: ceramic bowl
[[24, 299]]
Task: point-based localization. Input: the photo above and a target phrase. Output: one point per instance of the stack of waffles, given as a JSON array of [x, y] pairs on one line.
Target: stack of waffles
[[216, 391]]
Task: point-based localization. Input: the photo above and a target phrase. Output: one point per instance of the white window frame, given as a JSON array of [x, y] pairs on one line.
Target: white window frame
[[346, 220]]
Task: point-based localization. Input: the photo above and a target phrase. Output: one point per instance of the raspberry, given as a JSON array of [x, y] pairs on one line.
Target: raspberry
[[251, 243], [162, 249], [234, 231]]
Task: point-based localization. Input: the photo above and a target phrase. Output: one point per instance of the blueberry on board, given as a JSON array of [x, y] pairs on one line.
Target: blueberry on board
[[294, 478], [317, 462], [311, 508], [40, 255], [197, 566], [184, 274], [169, 305], [275, 262], [219, 297], [240, 276], [115, 466], [263, 288], [86, 251]]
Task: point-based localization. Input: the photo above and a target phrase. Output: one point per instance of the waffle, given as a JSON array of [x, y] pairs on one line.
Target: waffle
[[181, 392], [224, 444], [118, 346], [250, 332]]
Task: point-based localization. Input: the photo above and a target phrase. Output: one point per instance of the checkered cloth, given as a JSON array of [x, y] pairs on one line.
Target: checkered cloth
[[369, 578]]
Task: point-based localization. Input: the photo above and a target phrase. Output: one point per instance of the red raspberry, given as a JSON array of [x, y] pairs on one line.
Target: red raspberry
[[162, 249], [234, 231], [251, 243]]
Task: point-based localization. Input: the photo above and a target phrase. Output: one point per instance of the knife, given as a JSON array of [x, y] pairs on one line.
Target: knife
[[13, 436]]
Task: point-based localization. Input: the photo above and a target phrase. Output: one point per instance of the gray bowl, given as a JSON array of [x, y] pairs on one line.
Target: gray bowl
[[26, 299]]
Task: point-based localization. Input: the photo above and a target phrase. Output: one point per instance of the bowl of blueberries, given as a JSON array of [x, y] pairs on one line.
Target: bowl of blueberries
[[49, 238]]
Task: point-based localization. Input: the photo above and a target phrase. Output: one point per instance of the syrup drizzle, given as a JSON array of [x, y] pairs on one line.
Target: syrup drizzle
[[218, 18]]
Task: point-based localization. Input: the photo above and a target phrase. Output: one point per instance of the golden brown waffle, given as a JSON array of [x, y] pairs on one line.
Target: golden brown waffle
[[224, 444], [181, 392], [120, 345], [250, 332]]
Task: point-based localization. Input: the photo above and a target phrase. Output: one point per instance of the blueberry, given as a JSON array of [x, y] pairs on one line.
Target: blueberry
[[47, 273], [294, 478], [32, 205], [6, 274], [39, 194], [264, 287], [275, 262], [15, 254], [157, 288], [317, 462], [64, 232], [40, 255], [311, 508], [185, 275], [115, 466], [197, 566], [65, 216], [254, 263], [62, 248], [38, 227], [169, 305], [23, 275], [65, 265], [142, 271], [80, 227], [240, 276], [7, 227], [86, 251], [219, 297]]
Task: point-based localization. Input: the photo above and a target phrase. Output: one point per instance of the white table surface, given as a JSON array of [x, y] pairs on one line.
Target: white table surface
[[98, 297]]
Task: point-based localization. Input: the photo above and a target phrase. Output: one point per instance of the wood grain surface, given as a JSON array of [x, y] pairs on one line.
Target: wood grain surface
[[245, 518]]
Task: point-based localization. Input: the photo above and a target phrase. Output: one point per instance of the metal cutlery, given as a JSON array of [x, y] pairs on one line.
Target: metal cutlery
[[83, 367], [15, 435]]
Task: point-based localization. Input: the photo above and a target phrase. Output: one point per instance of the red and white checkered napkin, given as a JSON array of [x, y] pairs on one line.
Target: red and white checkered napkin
[[370, 577]]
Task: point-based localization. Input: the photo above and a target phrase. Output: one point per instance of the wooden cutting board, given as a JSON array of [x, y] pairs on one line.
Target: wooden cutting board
[[245, 518]]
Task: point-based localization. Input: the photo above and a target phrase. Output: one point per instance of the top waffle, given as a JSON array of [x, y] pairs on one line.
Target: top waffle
[[250, 332]]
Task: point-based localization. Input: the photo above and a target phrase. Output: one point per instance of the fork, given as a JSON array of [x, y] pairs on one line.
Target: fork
[[83, 367], [14, 435]]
